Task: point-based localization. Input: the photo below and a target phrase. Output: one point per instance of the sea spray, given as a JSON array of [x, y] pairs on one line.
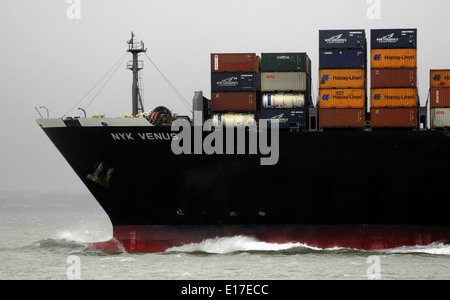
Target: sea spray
[[238, 243]]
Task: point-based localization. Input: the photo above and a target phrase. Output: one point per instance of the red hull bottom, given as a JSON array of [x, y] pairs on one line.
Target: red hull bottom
[[152, 239]]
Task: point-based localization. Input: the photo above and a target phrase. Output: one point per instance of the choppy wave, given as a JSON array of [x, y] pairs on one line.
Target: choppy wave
[[434, 249], [54, 246], [224, 245], [231, 245], [238, 244], [66, 242], [59, 246], [83, 236]]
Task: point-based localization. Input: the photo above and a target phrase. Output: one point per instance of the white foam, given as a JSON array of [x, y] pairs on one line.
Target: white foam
[[83, 236], [65, 235], [234, 244], [434, 248]]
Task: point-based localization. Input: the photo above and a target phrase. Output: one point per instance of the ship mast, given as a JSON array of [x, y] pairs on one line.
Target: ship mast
[[135, 66]]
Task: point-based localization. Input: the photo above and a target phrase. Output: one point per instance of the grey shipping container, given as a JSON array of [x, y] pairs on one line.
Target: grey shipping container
[[285, 62], [440, 117], [342, 39], [342, 59], [285, 82], [394, 39], [234, 82]]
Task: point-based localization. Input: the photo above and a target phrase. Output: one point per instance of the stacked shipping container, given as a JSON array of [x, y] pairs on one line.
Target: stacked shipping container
[[440, 98], [235, 87], [342, 78], [394, 98], [286, 88]]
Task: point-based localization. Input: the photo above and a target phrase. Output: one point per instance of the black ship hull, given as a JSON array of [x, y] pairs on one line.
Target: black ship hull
[[357, 189]]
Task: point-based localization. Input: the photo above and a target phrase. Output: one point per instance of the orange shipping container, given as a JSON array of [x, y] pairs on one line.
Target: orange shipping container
[[393, 117], [342, 79], [439, 97], [342, 117], [440, 78], [394, 58], [234, 62], [394, 98], [342, 98]]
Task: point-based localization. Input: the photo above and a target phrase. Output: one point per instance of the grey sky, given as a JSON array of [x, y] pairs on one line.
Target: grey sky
[[49, 60]]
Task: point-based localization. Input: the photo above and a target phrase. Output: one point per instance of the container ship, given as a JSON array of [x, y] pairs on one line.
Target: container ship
[[361, 168]]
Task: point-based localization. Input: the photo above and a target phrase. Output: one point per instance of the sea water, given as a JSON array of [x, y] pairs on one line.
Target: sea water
[[43, 238]]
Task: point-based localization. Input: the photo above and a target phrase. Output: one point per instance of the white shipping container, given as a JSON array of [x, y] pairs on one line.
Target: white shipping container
[[440, 117], [283, 100], [234, 119], [285, 82]]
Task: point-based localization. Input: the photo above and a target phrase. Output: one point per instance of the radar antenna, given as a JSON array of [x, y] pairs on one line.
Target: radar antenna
[[135, 66]]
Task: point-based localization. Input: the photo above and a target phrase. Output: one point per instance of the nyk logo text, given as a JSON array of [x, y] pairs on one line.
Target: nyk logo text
[[337, 39], [387, 39], [232, 81]]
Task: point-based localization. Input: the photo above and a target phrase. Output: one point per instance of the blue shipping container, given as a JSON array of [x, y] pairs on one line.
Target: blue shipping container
[[234, 82], [342, 39], [342, 59], [394, 38], [286, 117]]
